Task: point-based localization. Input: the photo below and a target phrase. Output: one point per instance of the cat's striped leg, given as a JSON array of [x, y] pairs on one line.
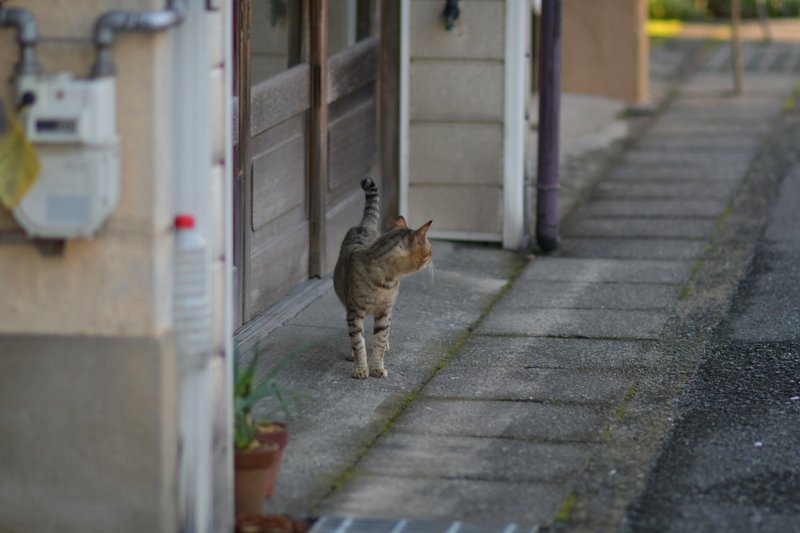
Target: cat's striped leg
[[355, 328], [380, 342]]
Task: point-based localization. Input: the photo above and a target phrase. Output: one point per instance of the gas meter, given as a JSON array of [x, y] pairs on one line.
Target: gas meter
[[71, 123]]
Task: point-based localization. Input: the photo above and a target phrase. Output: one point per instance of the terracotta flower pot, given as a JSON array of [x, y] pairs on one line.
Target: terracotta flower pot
[[252, 473], [274, 433]]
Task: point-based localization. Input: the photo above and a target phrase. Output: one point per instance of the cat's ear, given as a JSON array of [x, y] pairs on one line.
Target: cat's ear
[[419, 235], [399, 222]]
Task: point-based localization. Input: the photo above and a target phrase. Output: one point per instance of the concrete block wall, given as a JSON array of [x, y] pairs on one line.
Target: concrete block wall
[[456, 113]]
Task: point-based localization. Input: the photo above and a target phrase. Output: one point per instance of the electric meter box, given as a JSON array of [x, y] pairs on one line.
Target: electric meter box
[[72, 125]]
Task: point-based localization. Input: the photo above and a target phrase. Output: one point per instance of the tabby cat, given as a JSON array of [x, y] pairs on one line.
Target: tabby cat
[[367, 276]]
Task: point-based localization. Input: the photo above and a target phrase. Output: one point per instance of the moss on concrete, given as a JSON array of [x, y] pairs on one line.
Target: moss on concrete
[[791, 101], [565, 509]]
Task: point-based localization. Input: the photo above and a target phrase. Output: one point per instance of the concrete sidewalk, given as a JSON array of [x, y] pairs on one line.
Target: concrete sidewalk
[[511, 376]]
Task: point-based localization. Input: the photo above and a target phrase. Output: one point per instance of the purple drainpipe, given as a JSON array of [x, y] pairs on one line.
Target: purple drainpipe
[[549, 113]]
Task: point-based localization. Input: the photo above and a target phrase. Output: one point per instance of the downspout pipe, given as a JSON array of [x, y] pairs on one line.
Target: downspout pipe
[[113, 22], [27, 37], [549, 115]]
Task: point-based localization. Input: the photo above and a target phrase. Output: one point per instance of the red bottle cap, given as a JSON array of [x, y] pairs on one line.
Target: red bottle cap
[[184, 222]]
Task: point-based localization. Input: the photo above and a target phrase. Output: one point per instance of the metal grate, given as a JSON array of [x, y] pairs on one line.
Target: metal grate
[[332, 524]]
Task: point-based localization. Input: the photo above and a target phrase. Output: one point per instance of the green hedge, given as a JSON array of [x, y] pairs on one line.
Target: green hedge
[[710, 9], [678, 9]]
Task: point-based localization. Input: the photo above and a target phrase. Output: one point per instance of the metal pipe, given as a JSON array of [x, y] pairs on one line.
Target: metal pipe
[[111, 23], [27, 37], [549, 115]]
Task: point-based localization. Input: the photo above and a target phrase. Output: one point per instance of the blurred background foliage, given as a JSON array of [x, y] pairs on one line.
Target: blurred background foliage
[[696, 10]]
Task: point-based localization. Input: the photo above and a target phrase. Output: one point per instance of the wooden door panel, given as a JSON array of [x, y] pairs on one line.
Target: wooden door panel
[[279, 98], [278, 264], [279, 182], [352, 68], [351, 144], [340, 218], [278, 224]]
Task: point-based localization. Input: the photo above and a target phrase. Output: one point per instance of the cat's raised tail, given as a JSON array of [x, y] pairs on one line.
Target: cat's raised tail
[[372, 213]]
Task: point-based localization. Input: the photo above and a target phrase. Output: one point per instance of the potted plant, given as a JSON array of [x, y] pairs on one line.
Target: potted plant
[[258, 448]]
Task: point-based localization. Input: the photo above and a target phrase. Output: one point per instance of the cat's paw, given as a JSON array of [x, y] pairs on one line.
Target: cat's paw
[[360, 372], [378, 372]]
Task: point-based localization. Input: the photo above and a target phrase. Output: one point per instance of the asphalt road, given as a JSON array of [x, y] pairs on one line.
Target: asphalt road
[[732, 462]]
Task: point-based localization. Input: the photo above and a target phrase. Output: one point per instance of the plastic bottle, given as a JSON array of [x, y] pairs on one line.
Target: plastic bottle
[[192, 309]]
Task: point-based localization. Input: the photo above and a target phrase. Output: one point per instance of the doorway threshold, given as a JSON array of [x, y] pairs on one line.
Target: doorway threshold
[[286, 308]]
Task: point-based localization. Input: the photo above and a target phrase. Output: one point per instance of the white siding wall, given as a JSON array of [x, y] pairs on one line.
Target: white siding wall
[[455, 119], [221, 64], [462, 119], [203, 188]]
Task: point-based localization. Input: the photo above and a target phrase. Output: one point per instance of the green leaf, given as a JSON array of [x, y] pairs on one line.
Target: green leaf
[[244, 380], [244, 433]]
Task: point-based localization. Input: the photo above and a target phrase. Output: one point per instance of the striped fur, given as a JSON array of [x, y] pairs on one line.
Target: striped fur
[[367, 278]]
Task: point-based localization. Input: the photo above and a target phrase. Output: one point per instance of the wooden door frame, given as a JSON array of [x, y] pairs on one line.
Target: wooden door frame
[[241, 238], [389, 108], [318, 147]]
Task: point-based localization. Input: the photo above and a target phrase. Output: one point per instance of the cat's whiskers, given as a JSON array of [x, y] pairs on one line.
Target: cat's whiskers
[[431, 273]]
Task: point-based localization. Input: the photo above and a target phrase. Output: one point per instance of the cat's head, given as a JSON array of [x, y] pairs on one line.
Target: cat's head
[[414, 250]]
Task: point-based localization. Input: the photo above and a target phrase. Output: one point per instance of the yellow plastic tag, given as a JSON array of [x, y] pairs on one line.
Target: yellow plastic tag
[[19, 164]]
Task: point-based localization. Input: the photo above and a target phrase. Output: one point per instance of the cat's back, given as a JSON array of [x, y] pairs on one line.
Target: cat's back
[[357, 240]]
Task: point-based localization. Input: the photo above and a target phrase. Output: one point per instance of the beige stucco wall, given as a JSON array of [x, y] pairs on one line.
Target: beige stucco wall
[[88, 434], [112, 284], [456, 117], [605, 49], [88, 386]]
